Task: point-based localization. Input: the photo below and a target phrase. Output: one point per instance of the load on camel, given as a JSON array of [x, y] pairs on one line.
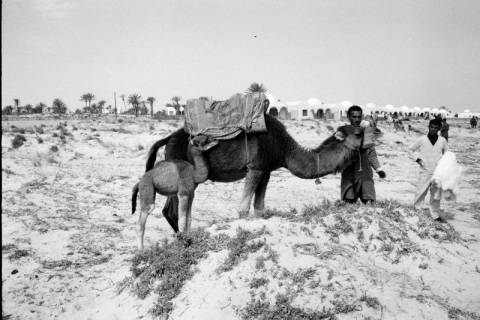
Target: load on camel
[[252, 152]]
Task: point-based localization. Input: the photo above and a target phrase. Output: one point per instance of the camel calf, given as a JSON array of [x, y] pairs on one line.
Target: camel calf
[[175, 177]]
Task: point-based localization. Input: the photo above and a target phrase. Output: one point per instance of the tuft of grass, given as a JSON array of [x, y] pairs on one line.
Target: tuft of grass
[[282, 309], [62, 264], [258, 282], [163, 269], [458, 314], [303, 275], [18, 254], [15, 129], [240, 246], [18, 141], [9, 247], [371, 302]]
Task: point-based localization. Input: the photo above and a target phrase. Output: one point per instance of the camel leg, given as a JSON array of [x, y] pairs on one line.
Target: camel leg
[[259, 201], [170, 211], [142, 220], [252, 180], [189, 212], [182, 212]]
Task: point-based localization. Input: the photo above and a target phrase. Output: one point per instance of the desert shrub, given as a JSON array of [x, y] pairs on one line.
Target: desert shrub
[[54, 148], [39, 129], [9, 247], [18, 141], [140, 147], [239, 248], [372, 302], [164, 268], [17, 130], [55, 135], [282, 309], [258, 282], [18, 254], [39, 140]]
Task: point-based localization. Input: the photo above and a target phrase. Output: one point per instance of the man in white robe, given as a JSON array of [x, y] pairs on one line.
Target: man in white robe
[[427, 151]]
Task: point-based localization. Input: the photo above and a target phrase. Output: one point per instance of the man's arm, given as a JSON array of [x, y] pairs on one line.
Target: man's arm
[[412, 152], [373, 160]]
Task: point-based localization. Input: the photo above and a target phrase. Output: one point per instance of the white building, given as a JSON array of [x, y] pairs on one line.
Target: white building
[[312, 108]]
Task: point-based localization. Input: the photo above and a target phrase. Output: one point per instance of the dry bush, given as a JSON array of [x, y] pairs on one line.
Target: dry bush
[[39, 140], [14, 129], [39, 129], [18, 141]]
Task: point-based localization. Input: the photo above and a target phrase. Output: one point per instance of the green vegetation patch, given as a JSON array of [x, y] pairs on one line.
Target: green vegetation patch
[[240, 246], [163, 269]]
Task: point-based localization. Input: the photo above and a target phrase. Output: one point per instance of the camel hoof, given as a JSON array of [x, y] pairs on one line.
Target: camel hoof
[[243, 214], [259, 213]]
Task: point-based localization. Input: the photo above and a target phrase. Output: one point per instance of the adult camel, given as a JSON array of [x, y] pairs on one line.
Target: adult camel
[[255, 155]]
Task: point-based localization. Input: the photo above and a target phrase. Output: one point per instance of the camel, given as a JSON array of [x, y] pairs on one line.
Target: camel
[[255, 155], [173, 177]]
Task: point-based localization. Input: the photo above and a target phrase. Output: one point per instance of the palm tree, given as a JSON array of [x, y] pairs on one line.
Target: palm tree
[[134, 100], [39, 107], [176, 103], [256, 87], [122, 96], [7, 110], [100, 105], [29, 108], [151, 100], [59, 106], [16, 102], [84, 98], [87, 98]]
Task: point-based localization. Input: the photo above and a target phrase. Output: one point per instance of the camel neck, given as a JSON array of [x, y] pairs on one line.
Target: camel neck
[[200, 168], [328, 158]]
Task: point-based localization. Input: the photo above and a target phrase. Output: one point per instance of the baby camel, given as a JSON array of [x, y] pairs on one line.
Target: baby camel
[[169, 178]]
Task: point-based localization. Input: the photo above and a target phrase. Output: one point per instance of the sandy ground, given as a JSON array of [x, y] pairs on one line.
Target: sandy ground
[[68, 235]]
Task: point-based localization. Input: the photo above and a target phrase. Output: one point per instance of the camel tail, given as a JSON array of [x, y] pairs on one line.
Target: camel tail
[[152, 154], [134, 197]]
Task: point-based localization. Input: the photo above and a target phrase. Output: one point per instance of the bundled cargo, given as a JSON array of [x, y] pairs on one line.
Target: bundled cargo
[[223, 120]]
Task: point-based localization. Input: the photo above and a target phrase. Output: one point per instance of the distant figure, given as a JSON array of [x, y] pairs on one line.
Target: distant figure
[[357, 178], [427, 151], [473, 122], [444, 130]]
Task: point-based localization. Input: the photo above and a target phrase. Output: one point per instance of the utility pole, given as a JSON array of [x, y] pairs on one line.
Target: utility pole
[[115, 102]]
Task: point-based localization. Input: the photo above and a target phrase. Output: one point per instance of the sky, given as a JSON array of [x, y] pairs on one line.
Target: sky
[[422, 53]]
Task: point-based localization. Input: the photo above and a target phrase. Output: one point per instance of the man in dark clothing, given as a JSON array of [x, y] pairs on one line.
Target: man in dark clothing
[[357, 178], [473, 122], [444, 130]]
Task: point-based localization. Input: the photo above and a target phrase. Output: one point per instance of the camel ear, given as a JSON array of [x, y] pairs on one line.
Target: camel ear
[[339, 135]]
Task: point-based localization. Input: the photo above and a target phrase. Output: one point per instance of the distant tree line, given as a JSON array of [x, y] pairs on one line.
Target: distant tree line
[[131, 104]]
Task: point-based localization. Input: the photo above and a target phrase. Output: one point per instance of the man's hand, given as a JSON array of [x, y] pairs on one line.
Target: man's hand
[[382, 174]]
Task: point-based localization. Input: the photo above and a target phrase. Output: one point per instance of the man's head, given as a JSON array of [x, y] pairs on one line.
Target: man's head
[[354, 114], [434, 126]]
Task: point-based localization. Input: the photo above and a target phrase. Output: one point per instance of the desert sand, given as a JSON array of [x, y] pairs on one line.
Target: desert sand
[[68, 235]]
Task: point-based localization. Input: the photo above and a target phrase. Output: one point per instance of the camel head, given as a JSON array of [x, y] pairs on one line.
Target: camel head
[[339, 150], [201, 143], [350, 136]]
